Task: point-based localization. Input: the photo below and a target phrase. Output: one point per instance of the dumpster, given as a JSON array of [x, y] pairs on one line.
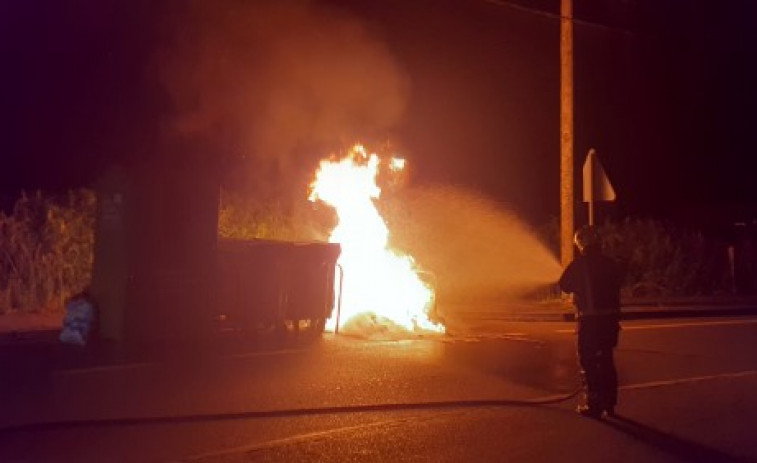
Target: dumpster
[[309, 282], [267, 284]]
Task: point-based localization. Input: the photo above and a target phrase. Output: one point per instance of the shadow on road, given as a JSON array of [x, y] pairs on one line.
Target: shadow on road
[[548, 366], [675, 446]]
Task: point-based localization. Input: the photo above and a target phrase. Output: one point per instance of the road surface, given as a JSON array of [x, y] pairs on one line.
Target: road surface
[[687, 394]]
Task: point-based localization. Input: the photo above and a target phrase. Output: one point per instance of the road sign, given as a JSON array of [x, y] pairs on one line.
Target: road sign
[[597, 186]]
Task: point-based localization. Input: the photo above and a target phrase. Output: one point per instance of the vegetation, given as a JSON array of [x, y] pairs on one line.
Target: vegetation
[[661, 259], [46, 249], [244, 218]]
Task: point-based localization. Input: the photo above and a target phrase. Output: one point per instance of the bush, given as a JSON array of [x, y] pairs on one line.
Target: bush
[[662, 259], [46, 250], [240, 217], [47, 243]]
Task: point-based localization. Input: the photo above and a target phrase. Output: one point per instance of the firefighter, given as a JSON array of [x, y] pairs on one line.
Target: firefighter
[[594, 281]]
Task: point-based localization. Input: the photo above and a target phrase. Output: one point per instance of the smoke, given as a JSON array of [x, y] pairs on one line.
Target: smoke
[[477, 251], [277, 81]]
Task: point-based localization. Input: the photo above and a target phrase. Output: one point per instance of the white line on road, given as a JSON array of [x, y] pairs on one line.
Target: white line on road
[[627, 327], [693, 379], [247, 449], [391, 423]]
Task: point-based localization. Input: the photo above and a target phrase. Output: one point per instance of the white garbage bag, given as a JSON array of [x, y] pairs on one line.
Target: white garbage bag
[[77, 322]]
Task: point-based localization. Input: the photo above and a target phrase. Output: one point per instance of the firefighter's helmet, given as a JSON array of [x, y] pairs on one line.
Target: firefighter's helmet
[[586, 236]]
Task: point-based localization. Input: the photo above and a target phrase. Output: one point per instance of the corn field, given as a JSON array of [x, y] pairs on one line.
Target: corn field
[[661, 259], [46, 248], [47, 243], [240, 217]]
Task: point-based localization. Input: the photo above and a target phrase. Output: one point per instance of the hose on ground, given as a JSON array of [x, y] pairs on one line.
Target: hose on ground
[[292, 412]]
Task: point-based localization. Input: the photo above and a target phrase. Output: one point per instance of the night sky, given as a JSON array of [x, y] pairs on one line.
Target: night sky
[[467, 90]]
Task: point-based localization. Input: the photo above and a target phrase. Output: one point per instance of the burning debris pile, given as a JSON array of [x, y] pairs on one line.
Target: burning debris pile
[[382, 290]]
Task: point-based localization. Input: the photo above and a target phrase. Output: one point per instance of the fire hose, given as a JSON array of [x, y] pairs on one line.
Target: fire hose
[[292, 412], [296, 412]]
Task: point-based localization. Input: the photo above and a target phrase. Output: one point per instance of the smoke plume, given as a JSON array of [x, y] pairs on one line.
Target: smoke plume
[[278, 81]]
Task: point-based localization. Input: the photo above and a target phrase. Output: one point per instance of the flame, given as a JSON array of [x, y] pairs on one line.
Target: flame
[[377, 279]]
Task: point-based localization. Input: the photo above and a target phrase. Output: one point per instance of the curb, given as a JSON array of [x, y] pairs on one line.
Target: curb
[[627, 313], [639, 313]]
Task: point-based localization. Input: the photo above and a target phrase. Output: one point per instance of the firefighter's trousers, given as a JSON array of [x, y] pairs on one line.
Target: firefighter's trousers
[[597, 338]]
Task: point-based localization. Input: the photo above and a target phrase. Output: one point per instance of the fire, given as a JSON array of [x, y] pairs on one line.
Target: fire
[[376, 279]]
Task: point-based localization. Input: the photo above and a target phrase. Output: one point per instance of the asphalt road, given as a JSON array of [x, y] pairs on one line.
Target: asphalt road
[[687, 394]]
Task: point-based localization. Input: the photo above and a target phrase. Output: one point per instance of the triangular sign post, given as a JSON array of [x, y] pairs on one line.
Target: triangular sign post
[[597, 186]]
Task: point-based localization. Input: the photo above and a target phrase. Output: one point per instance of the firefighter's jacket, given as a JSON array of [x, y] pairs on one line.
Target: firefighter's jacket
[[595, 281]]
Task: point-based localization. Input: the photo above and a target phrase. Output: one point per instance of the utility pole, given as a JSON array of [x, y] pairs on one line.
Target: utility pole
[[566, 132]]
